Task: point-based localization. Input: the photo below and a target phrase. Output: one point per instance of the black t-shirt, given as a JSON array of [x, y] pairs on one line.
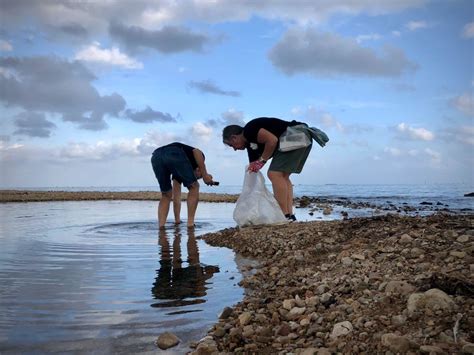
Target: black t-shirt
[[188, 150], [275, 126]]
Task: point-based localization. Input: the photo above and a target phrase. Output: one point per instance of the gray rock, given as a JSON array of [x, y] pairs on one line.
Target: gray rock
[[468, 348], [399, 287], [430, 349], [167, 340], [342, 328], [433, 299], [396, 343]]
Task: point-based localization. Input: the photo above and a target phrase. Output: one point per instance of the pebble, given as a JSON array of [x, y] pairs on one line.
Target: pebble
[[167, 340]]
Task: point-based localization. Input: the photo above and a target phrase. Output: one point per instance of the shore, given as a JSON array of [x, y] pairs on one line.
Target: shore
[[387, 284], [44, 196]]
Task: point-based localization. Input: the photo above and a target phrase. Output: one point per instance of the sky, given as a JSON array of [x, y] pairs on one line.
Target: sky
[[88, 89]]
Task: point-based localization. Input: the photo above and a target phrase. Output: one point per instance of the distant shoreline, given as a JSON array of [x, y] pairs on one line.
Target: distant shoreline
[[45, 196]]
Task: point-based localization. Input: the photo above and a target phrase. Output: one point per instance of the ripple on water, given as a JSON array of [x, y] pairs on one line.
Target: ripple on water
[[100, 282]]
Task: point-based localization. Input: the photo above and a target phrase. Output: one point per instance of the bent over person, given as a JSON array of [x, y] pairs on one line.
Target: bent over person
[[184, 165], [260, 137]]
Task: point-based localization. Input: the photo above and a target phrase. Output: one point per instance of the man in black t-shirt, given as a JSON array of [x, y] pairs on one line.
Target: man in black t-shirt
[[260, 137], [185, 165]]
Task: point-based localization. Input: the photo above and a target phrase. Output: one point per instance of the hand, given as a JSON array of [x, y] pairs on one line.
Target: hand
[[207, 179], [255, 166]]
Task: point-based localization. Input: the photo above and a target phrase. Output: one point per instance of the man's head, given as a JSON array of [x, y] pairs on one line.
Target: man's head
[[233, 136]]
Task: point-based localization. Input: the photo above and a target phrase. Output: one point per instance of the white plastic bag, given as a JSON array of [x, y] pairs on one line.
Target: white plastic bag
[[294, 138], [256, 205]]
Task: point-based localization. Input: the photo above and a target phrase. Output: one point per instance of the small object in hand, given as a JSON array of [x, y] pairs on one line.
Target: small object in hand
[[215, 183]]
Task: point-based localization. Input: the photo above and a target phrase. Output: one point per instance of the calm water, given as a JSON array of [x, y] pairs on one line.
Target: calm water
[[99, 277]]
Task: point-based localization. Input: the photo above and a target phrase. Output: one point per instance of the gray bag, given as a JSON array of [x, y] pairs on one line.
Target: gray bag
[[294, 138]]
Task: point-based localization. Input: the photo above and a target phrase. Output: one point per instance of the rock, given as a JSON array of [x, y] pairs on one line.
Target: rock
[[433, 300], [342, 328], [226, 313], [458, 254], [463, 238], [405, 239], [469, 194], [399, 287], [399, 320], [430, 349], [468, 348], [167, 340], [244, 318], [346, 261], [396, 343], [288, 304]]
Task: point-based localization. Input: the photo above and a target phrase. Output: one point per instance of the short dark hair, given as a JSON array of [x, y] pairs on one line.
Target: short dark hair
[[231, 130]]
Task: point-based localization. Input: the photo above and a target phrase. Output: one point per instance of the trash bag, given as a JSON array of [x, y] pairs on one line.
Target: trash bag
[[256, 205]]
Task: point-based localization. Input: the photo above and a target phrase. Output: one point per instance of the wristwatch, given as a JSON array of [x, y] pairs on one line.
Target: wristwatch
[[262, 160]]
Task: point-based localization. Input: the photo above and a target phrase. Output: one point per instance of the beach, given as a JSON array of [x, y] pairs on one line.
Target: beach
[[383, 284], [387, 284], [42, 196]]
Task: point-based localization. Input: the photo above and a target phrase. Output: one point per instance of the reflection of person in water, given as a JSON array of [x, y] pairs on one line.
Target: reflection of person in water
[[175, 281]]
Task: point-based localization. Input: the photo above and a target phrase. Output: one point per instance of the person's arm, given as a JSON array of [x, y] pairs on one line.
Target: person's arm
[[177, 201], [270, 142], [206, 177]]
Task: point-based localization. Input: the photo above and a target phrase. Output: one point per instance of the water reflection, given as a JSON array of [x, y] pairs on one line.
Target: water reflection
[[180, 283]]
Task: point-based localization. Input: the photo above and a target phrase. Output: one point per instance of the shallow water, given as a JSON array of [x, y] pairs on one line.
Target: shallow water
[[99, 277]]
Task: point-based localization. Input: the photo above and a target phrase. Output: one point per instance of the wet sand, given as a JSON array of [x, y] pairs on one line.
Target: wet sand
[[388, 284], [42, 196]]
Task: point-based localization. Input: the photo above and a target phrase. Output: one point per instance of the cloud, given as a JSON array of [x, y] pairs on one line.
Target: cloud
[[33, 125], [462, 134], [416, 25], [406, 132], [94, 54], [55, 86], [169, 39], [468, 30], [148, 115], [5, 46], [229, 117], [329, 55], [368, 37], [464, 103], [209, 87], [328, 121], [73, 17], [201, 131]]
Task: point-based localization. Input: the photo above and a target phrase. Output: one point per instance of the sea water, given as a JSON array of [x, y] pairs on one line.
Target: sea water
[[98, 276]]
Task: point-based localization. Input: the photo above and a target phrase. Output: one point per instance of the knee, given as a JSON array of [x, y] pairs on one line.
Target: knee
[[167, 195]]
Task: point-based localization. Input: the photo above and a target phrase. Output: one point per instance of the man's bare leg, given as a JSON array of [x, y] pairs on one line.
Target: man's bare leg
[[192, 202], [163, 208], [177, 202], [280, 181]]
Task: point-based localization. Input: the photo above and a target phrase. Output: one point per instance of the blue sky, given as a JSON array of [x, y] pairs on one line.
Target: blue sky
[[89, 89]]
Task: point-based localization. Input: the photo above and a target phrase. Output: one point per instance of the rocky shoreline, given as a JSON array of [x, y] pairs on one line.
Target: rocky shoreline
[[44, 196], [387, 284]]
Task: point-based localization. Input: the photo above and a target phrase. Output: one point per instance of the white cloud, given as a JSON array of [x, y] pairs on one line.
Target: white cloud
[[406, 131], [464, 103], [368, 37], [468, 30], [5, 46], [416, 25], [95, 54], [201, 131], [395, 152], [396, 33]]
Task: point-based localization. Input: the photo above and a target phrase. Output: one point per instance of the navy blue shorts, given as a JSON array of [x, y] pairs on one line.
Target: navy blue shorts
[[170, 162]]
